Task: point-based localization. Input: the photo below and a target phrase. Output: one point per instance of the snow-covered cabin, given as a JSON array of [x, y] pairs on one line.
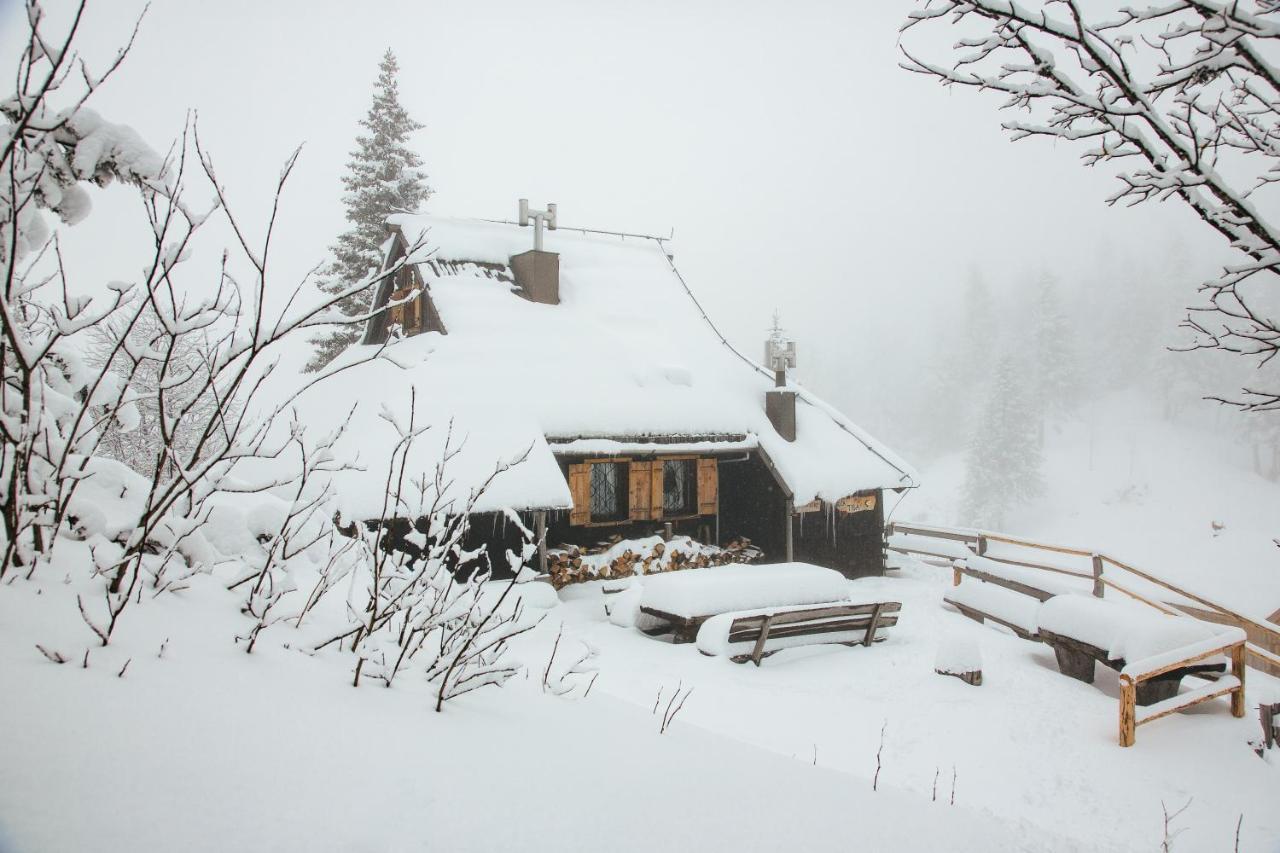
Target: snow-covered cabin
[[592, 362]]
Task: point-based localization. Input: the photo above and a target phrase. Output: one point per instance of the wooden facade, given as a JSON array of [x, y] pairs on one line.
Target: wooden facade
[[736, 495]]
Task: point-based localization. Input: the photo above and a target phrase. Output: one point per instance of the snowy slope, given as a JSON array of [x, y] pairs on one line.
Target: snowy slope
[[1124, 481], [199, 747], [207, 749]]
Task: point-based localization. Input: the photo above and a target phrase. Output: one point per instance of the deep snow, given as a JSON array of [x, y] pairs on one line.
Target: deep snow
[[204, 748]]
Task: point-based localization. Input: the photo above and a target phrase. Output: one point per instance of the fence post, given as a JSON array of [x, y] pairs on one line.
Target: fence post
[[982, 545], [1098, 586], [1237, 669], [1128, 711]]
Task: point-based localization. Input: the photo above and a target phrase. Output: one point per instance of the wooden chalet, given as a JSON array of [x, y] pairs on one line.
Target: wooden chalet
[[590, 360]]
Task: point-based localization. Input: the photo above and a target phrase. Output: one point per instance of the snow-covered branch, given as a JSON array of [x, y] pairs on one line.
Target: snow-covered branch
[[1187, 88]]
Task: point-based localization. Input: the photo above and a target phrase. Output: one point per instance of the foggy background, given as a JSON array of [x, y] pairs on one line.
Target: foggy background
[[798, 167]]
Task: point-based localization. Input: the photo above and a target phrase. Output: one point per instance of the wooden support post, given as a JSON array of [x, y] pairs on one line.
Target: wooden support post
[[758, 651], [540, 530], [1098, 586], [1269, 715], [872, 625], [956, 575], [1237, 669], [1128, 710], [791, 514], [982, 545]]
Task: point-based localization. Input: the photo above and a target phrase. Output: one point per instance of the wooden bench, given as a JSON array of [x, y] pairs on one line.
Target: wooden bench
[[1076, 659], [837, 623], [1011, 604], [994, 602], [1132, 678]]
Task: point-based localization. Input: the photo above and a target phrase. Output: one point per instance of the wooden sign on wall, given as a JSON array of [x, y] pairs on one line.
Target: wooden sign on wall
[[856, 503]]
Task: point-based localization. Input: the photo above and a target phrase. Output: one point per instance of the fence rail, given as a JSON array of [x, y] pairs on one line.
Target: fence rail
[[1262, 647]]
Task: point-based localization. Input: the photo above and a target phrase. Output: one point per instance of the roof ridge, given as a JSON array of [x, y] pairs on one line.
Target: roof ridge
[[804, 393]]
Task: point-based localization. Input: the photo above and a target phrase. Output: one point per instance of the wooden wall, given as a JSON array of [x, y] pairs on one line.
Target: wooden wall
[[852, 543]]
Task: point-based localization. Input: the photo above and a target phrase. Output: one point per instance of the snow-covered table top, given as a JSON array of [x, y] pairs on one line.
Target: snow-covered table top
[[1125, 631], [694, 593]]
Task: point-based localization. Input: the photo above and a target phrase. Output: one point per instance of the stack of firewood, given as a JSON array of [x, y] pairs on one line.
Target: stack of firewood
[[573, 564]]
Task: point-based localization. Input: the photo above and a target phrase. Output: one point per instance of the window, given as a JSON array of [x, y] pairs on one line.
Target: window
[[608, 491], [679, 487], [405, 315]]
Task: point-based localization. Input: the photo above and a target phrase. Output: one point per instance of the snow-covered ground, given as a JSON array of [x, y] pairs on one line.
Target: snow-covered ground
[[1122, 480], [201, 747]]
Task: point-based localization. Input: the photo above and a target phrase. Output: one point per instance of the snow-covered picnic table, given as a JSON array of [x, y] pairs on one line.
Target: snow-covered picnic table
[[1082, 629], [683, 600]]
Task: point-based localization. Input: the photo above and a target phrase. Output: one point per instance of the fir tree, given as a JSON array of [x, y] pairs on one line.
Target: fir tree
[[383, 177], [1057, 378], [1003, 465]]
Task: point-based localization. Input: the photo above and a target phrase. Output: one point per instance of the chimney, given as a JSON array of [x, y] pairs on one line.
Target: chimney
[[780, 404], [537, 272]]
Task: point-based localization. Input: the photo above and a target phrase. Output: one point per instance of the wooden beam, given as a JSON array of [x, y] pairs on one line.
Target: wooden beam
[[540, 530], [790, 518], [1128, 711], [1237, 669], [758, 651]]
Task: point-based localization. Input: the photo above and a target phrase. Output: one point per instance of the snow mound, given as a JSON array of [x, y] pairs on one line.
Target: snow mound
[[700, 592]]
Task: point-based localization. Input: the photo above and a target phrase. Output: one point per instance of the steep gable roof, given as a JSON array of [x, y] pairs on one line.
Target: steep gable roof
[[627, 355]]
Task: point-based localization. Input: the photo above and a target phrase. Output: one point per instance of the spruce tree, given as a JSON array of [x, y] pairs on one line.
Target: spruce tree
[[383, 177], [1057, 378], [1003, 464]]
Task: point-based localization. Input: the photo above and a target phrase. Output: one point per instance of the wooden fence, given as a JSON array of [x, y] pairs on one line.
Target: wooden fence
[[1103, 571]]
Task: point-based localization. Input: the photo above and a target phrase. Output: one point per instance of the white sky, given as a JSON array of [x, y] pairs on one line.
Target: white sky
[[798, 165]]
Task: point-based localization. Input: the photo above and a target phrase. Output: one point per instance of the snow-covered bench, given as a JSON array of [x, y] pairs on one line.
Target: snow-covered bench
[[983, 602], [753, 634], [681, 601], [1155, 649], [1007, 595]]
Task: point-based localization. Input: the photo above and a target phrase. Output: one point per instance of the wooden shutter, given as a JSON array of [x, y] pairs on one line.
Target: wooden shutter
[[708, 486], [655, 490], [580, 492], [639, 502], [411, 316]]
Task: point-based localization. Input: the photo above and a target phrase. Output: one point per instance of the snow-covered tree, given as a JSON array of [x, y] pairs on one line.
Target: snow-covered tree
[[1185, 94], [75, 370], [973, 360], [135, 354], [1003, 463], [384, 177], [1056, 373]]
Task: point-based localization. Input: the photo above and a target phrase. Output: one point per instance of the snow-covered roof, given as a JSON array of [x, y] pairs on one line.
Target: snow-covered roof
[[626, 356]]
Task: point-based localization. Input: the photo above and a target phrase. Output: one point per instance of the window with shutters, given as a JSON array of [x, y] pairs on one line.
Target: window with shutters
[[679, 487], [611, 491], [608, 500], [405, 316]]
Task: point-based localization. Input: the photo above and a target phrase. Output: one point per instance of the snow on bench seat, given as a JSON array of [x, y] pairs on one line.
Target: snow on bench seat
[[1125, 631], [1012, 609], [695, 593], [845, 622], [1050, 583]]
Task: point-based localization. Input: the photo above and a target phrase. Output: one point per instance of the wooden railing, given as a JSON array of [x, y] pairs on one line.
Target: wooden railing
[[1104, 571]]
